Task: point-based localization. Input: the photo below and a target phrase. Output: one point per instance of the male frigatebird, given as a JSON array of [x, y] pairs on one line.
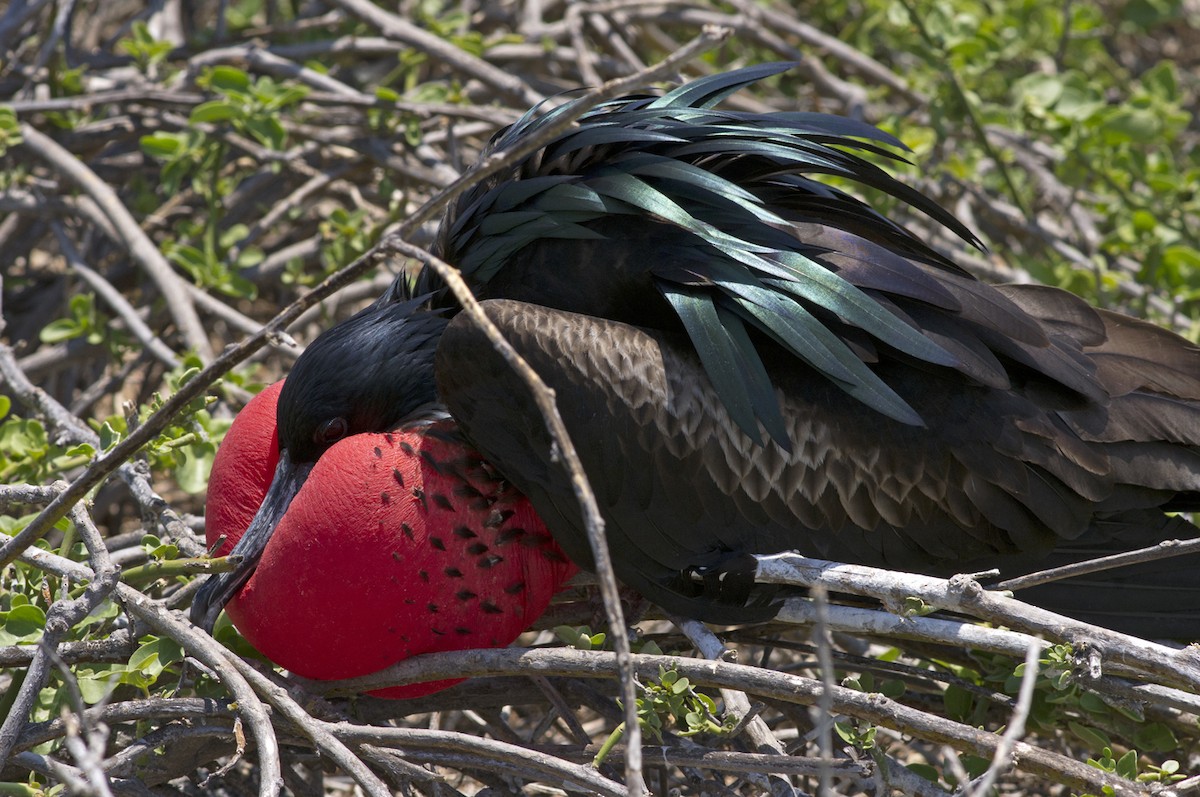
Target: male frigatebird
[[751, 360], [398, 544]]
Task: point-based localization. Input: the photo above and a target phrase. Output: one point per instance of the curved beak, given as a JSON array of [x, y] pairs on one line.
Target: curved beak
[[220, 588]]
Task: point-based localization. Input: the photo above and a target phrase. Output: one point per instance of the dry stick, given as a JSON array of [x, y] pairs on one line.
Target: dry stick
[[824, 645], [114, 299], [140, 247], [141, 710], [395, 27], [1152, 553], [860, 773], [289, 203], [874, 71], [736, 702], [114, 649], [560, 705], [575, 22], [120, 97], [483, 752], [315, 730], [63, 615], [71, 777], [1189, 786], [143, 434], [1015, 730], [89, 755], [617, 42], [200, 645], [964, 595], [18, 201], [267, 61], [772, 684]]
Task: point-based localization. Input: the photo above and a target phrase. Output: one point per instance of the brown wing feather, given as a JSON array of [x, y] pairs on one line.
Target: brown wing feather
[[995, 477]]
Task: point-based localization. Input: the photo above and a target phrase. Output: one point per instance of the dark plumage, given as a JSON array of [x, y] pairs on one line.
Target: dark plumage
[[752, 361]]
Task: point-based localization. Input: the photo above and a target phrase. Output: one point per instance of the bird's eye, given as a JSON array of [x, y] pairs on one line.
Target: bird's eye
[[331, 431]]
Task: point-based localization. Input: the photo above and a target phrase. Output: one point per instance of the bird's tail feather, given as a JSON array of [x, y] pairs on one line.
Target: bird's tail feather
[[1153, 600]]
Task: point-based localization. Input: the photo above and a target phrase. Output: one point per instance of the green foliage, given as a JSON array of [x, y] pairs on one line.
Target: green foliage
[[1127, 766], [348, 235], [10, 130], [253, 108], [85, 322], [147, 52], [156, 658], [211, 252], [1047, 74], [581, 637], [672, 703]]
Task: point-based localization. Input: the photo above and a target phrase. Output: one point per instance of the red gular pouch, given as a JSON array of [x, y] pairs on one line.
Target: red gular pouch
[[398, 544]]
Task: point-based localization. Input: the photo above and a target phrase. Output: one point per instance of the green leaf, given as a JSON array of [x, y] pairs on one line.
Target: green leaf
[[1132, 125], [81, 450], [109, 436], [1162, 80], [1179, 256], [1038, 91], [958, 702], [924, 770], [162, 145], [1127, 766], [1090, 701], [227, 79], [60, 330], [1156, 738], [268, 130], [10, 129], [95, 687], [1094, 739], [5, 405], [215, 111], [25, 621], [155, 656]]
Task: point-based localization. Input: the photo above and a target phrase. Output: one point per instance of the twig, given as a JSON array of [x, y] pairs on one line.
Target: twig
[[964, 595], [317, 731], [982, 786], [63, 615], [1166, 549], [140, 247], [69, 428], [273, 63], [396, 27], [200, 645], [736, 702], [113, 298], [485, 753], [784, 687]]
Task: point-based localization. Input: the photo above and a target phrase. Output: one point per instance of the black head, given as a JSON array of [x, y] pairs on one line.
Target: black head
[[370, 373]]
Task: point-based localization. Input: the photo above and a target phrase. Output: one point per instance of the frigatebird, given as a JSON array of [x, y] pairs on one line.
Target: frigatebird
[[399, 543], [750, 360]]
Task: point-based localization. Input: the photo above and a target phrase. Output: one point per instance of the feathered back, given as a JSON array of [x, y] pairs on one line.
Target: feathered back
[[666, 212]]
